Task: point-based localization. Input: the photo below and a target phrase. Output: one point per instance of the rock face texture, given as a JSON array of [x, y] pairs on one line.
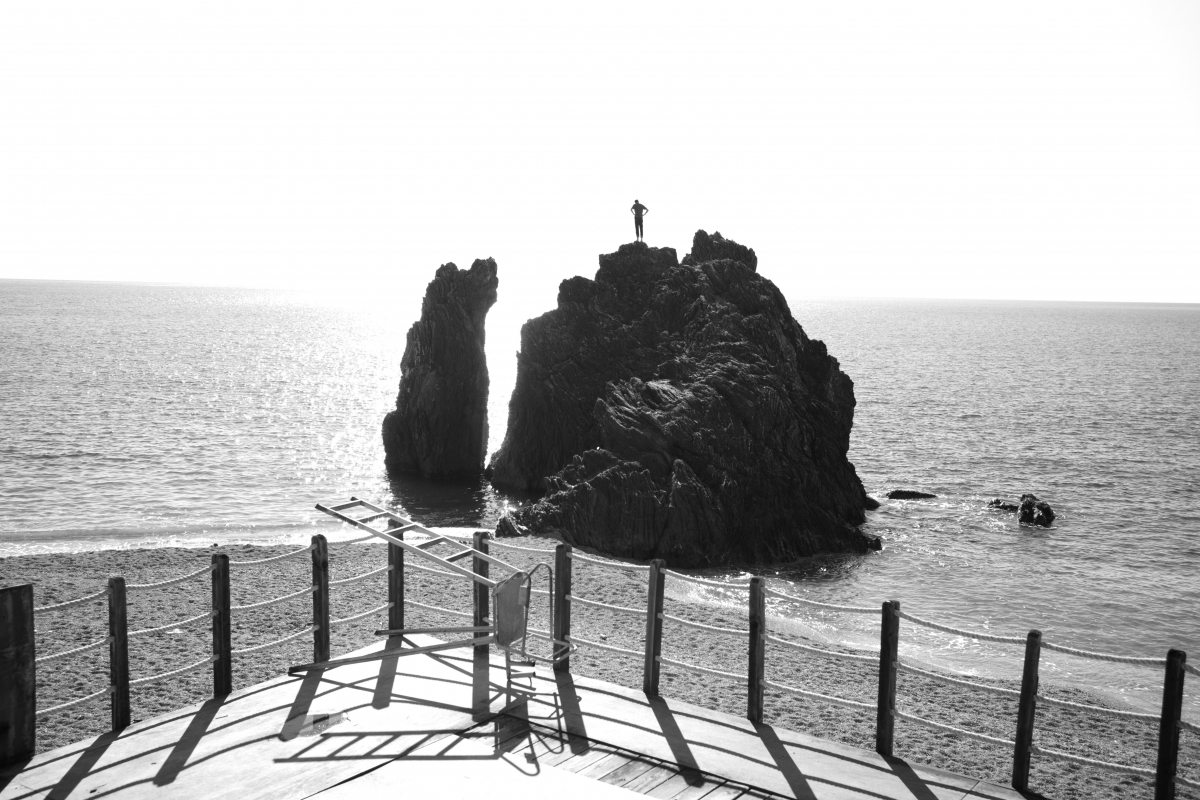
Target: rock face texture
[[678, 411], [439, 428]]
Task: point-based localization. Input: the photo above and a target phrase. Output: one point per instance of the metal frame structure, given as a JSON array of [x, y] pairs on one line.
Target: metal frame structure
[[510, 596]]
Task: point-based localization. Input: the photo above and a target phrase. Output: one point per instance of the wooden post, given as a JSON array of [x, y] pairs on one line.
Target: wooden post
[[1168, 727], [758, 648], [480, 663], [561, 630], [889, 656], [1026, 710], [222, 627], [654, 626], [320, 601], [18, 690], [396, 581], [118, 653]]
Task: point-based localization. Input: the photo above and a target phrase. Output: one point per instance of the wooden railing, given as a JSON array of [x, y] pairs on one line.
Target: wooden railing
[[18, 659]]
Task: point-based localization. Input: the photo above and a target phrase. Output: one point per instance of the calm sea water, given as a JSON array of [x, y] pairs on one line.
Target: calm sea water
[[141, 415]]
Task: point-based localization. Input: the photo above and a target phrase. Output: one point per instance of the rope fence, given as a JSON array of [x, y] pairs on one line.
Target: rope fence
[[687, 623], [670, 662], [276, 600], [275, 643], [268, 560], [704, 582], [986, 637], [45, 712], [69, 603], [983, 687], [938, 726], [874, 660], [356, 578], [655, 617], [354, 617], [132, 587], [207, 615], [1145, 662], [610, 648], [188, 668], [838, 701], [1092, 762], [583, 601], [831, 606], [74, 650], [1108, 712]]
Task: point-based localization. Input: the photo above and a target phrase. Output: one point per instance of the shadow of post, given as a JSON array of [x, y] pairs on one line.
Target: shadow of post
[[300, 706], [681, 751], [82, 767], [787, 765], [177, 759]]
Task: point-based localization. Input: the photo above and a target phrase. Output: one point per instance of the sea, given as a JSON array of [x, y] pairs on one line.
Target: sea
[[146, 415]]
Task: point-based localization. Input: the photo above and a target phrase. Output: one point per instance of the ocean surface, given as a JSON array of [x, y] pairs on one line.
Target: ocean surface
[[137, 415]]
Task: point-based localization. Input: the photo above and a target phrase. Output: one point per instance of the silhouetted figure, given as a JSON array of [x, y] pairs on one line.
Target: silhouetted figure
[[639, 211]]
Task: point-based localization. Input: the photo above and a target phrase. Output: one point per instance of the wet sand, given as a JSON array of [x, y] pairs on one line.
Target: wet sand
[[59, 577]]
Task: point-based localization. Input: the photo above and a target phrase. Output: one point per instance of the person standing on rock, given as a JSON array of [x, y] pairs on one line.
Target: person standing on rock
[[639, 211]]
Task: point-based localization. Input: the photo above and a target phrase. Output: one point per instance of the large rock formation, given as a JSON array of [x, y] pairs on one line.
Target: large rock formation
[[439, 428], [679, 411]]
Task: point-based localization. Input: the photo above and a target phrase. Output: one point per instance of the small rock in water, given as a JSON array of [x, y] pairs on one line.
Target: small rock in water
[[909, 494], [1034, 511], [1002, 505]]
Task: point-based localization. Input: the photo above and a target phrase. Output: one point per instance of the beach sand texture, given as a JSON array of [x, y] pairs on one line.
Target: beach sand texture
[[59, 577]]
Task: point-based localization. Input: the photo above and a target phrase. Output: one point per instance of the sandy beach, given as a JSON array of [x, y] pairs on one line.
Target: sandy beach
[[57, 578]]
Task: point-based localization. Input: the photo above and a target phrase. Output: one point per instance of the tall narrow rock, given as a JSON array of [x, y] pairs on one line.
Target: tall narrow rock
[[439, 428], [679, 411]]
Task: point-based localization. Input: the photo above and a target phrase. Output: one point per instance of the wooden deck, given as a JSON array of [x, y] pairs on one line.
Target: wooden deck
[[406, 727]]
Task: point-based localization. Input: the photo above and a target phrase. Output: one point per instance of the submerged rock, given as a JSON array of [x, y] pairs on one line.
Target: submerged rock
[[1003, 505], [909, 494], [439, 428], [679, 411]]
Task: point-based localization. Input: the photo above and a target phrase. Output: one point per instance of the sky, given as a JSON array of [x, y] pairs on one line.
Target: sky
[[1037, 150]]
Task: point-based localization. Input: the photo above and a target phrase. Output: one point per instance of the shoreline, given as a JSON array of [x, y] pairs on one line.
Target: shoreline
[[58, 577]]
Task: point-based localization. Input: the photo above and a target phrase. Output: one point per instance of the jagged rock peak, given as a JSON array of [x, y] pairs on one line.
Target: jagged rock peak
[[712, 248], [439, 428], [679, 411]]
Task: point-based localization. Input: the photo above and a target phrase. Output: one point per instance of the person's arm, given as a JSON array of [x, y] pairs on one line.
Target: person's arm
[[645, 211]]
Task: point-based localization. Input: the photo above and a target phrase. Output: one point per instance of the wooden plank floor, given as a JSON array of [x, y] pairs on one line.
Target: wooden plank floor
[[400, 724]]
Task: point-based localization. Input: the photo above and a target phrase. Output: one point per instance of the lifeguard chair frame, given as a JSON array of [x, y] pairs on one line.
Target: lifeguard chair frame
[[510, 596]]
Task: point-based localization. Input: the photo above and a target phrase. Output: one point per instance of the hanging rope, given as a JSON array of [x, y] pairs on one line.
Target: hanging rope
[[704, 582], [292, 554], [606, 606], [819, 651], [280, 599], [287, 638], [439, 609], [202, 662], [344, 581], [336, 622], [610, 648], [137, 587], [986, 637], [840, 701], [701, 627], [1091, 762], [189, 621], [1111, 712], [45, 712], [1146, 662], [73, 651], [702, 670], [59, 606], [831, 606], [983, 687], [612, 564], [928, 723]]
